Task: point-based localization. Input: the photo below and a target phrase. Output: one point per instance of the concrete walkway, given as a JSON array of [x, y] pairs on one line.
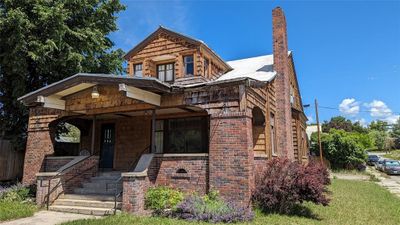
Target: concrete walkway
[[392, 183], [48, 218]]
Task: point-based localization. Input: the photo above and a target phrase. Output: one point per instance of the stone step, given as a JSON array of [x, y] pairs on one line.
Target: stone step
[[83, 210], [87, 203], [101, 185], [98, 191], [90, 197], [105, 178], [109, 174]]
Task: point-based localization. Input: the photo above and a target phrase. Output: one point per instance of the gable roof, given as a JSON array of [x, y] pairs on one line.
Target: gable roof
[[258, 68], [189, 39]]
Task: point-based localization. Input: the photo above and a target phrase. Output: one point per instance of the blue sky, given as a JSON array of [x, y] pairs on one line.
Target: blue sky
[[347, 53]]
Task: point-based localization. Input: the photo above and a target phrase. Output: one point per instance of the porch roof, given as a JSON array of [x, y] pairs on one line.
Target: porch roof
[[83, 81]]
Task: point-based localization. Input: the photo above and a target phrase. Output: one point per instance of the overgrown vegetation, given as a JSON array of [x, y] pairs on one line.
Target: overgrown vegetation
[[168, 202], [284, 184], [393, 155], [351, 204], [162, 198], [16, 202], [342, 149]]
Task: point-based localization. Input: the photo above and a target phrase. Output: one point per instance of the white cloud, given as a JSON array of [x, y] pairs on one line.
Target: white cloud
[[310, 119], [349, 106], [378, 109], [362, 122]]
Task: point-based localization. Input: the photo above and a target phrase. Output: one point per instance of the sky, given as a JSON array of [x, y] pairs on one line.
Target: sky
[[346, 53]]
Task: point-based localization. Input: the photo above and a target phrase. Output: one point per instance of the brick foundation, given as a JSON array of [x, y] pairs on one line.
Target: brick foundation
[[187, 172]]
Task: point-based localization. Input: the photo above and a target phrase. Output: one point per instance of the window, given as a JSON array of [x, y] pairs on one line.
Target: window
[[137, 70], [183, 135], [206, 67], [166, 72], [159, 136], [188, 65], [273, 133]]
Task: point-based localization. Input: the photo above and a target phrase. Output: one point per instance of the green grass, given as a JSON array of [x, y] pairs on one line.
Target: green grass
[[353, 202], [15, 210], [395, 154]]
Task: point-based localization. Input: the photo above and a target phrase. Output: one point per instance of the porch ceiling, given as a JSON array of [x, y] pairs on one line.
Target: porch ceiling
[[54, 92], [159, 112]]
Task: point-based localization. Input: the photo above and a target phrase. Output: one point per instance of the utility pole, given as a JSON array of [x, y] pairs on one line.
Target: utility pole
[[319, 132]]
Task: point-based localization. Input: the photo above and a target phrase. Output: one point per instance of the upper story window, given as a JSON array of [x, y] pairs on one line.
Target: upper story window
[[206, 67], [165, 72], [137, 70], [188, 69]]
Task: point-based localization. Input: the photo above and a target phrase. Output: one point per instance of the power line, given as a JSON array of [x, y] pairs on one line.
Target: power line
[[366, 111]]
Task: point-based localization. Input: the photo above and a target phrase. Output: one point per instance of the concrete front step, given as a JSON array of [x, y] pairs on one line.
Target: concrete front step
[[90, 197], [96, 191], [83, 210], [102, 185], [87, 203]]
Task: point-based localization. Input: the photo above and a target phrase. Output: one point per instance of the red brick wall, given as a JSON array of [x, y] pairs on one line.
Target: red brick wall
[[282, 81], [134, 191], [39, 142], [231, 156], [52, 164], [163, 171]]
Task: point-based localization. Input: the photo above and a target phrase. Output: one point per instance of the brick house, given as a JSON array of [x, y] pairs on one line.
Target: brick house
[[182, 117]]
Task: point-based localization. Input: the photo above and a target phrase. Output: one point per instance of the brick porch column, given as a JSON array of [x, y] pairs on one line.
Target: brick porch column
[[39, 142], [231, 156], [134, 186]]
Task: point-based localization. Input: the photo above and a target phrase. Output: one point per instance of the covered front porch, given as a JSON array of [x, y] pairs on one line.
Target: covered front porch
[[136, 133]]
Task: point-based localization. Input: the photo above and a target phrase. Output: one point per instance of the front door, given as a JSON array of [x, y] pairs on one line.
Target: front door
[[107, 146]]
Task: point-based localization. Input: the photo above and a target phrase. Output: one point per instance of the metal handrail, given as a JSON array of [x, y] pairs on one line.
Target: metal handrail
[[116, 182], [47, 197]]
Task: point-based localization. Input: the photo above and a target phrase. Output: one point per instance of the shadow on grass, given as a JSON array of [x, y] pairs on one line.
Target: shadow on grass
[[297, 210]]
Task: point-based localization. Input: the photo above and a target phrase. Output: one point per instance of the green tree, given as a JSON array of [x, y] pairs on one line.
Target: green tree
[[44, 41], [338, 123], [380, 138], [379, 125], [396, 133], [343, 149]]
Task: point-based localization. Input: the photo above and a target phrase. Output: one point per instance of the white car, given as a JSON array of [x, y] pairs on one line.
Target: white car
[[379, 165]]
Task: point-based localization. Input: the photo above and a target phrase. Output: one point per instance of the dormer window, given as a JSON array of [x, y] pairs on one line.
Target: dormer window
[[137, 70], [165, 72], [188, 65]]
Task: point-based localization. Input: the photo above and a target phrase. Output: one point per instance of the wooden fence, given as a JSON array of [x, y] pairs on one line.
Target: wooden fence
[[11, 161]]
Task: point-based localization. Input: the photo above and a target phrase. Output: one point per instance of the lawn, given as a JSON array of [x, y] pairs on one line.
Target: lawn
[[395, 154], [354, 202], [15, 210]]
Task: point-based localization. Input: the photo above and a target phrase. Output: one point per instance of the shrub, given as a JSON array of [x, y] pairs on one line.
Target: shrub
[[162, 198], [342, 149], [211, 208], [17, 192], [284, 184]]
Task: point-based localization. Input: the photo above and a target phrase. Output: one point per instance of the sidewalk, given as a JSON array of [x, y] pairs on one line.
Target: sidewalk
[[388, 182], [47, 218]]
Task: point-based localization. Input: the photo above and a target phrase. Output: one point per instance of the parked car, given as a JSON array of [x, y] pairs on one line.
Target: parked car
[[391, 167], [379, 164], [372, 160]]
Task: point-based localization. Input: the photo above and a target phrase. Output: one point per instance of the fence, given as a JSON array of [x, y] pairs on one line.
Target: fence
[[11, 161]]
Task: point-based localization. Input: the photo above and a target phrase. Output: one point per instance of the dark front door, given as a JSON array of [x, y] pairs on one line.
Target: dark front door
[[107, 146]]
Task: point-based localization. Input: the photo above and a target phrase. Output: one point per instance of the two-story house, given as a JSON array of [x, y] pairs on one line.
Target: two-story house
[[181, 117]]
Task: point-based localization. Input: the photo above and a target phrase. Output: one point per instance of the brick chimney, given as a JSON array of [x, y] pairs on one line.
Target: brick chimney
[[281, 66]]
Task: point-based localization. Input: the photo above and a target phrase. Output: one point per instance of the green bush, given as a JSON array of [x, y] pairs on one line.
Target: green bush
[[16, 193], [161, 198], [343, 149]]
